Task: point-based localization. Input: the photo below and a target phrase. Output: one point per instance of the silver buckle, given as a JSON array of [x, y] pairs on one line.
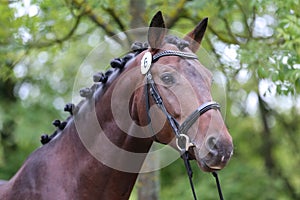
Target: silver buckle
[[183, 143]]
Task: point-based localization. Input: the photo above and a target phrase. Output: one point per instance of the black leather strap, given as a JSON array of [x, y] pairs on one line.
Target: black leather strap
[[179, 130], [173, 53]]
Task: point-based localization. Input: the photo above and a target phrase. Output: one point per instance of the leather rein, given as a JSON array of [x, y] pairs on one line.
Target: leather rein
[[183, 141]]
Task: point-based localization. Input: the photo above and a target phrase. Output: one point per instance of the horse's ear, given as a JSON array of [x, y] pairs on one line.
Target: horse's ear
[[157, 31], [195, 36]]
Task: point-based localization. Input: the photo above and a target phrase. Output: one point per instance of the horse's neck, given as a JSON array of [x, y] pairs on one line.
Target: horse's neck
[[95, 178], [91, 158], [114, 155]]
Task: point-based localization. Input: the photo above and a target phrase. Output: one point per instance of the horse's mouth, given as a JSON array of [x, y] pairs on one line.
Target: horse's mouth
[[204, 166], [209, 163]]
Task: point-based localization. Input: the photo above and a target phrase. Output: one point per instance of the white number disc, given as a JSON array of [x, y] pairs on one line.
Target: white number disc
[[146, 62]]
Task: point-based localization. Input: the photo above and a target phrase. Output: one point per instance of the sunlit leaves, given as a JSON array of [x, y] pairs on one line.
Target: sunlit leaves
[[261, 72], [288, 30]]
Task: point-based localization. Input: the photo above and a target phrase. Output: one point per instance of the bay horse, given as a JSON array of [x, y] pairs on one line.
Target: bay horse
[[148, 96]]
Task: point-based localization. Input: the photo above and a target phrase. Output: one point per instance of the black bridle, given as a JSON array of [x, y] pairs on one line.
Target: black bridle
[[183, 141]]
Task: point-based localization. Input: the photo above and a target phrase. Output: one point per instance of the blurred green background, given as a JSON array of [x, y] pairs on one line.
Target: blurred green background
[[254, 45]]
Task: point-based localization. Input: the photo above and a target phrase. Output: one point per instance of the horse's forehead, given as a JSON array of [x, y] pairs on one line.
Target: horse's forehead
[[169, 46], [195, 67], [198, 76], [183, 63], [192, 69]]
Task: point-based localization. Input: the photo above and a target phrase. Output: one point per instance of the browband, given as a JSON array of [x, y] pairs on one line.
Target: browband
[[173, 53], [148, 58]]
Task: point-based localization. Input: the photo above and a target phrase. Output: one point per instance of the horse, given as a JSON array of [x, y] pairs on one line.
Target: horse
[[147, 96]]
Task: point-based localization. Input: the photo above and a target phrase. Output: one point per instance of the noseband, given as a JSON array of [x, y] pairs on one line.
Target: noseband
[[183, 141]]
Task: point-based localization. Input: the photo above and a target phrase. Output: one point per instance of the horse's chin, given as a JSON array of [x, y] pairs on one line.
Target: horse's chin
[[204, 167], [206, 163]]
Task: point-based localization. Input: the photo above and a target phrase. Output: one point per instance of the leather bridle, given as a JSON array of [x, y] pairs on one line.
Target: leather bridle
[[183, 141]]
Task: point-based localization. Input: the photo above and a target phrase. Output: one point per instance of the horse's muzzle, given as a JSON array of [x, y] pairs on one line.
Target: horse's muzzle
[[218, 152]]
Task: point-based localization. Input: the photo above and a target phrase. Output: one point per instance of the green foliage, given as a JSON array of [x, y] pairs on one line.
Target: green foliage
[[40, 53]]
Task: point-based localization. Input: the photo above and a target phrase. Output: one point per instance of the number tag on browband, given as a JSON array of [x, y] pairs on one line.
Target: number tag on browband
[[146, 62]]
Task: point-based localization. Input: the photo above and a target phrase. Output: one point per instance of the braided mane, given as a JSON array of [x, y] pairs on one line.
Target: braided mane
[[100, 79]]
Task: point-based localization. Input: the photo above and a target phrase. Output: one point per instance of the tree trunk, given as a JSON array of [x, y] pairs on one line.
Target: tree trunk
[[268, 147], [137, 9], [7, 137], [148, 183]]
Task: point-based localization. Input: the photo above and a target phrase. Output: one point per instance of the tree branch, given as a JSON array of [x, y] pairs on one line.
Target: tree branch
[[227, 25], [87, 10], [114, 15], [175, 14], [253, 19], [245, 18], [36, 44], [222, 37], [118, 21]]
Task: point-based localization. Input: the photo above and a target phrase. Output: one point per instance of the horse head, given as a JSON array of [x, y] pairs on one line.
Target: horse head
[[183, 85]]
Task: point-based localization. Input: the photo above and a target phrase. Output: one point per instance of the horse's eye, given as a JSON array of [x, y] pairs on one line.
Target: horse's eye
[[168, 78]]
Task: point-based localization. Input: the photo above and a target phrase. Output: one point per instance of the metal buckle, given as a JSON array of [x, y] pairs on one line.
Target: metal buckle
[[183, 142]]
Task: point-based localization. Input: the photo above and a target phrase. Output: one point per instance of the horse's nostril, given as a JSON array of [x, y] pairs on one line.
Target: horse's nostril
[[211, 144]]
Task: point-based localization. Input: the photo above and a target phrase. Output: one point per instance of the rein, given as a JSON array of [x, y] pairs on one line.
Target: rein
[[183, 141]]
